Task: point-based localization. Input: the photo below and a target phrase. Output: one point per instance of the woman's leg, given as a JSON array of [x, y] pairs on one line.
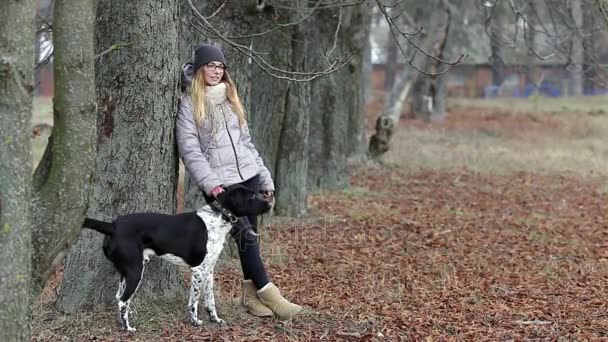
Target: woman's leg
[[249, 252]]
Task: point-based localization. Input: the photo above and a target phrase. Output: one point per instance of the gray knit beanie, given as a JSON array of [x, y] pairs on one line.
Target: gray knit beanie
[[206, 53]]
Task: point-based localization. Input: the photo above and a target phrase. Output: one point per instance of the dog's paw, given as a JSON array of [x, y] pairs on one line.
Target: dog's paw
[[196, 322], [131, 329], [218, 321]]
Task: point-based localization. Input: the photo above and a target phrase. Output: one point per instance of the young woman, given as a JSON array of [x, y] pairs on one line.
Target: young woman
[[214, 143]]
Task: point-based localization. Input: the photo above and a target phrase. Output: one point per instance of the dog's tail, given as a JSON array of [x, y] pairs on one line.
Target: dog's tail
[[100, 226]]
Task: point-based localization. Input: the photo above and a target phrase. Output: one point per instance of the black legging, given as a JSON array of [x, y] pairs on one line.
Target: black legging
[[249, 249]]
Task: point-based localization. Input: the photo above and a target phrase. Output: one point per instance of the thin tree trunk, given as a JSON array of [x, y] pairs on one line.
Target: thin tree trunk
[[530, 39], [387, 122], [577, 51], [440, 94], [433, 16], [361, 85], [61, 181], [390, 67], [16, 98], [498, 27], [136, 156]]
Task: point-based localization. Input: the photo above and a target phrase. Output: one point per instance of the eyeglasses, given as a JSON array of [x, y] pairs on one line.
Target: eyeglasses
[[212, 67]]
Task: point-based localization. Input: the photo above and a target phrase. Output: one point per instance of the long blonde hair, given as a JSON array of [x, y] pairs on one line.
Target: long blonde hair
[[197, 94]]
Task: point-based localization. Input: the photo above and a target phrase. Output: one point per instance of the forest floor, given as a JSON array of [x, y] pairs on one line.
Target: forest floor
[[490, 226]]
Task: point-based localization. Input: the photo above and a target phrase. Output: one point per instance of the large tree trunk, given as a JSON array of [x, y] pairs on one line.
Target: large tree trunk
[[280, 114], [337, 111], [577, 50], [231, 21], [16, 91], [62, 181], [136, 156]]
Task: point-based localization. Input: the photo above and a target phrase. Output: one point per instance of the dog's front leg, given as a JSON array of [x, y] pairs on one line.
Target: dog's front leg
[[210, 298], [195, 292]]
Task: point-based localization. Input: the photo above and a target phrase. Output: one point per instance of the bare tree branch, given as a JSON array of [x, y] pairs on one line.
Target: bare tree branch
[[257, 58], [394, 27]]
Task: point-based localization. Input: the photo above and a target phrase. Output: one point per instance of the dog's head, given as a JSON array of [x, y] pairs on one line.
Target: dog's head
[[243, 201]]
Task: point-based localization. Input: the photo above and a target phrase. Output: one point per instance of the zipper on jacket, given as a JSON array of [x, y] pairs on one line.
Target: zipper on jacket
[[236, 157]]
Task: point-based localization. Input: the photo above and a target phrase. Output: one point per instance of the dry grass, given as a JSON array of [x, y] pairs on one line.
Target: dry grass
[[43, 114], [500, 136]]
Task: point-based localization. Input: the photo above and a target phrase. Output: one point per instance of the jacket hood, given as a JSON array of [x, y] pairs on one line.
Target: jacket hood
[[187, 75]]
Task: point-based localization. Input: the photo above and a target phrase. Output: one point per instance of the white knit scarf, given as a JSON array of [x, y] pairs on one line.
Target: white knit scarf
[[215, 98]]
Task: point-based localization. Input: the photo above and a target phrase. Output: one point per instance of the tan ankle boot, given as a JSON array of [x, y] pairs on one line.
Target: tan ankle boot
[[272, 298], [252, 303]]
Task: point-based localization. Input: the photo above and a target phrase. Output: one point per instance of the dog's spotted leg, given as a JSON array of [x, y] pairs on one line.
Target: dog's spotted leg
[[210, 298], [123, 307], [121, 288], [214, 248], [195, 292], [132, 281]]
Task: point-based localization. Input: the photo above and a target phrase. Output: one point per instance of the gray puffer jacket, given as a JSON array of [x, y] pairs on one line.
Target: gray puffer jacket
[[227, 158]]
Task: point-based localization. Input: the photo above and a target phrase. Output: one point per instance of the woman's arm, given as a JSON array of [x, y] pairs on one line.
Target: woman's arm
[[266, 178], [189, 148]]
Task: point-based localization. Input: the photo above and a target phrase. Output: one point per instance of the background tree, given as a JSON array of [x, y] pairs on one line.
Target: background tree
[[56, 196], [136, 168], [280, 94], [496, 27], [424, 34], [337, 107], [280, 113], [429, 89], [61, 182], [16, 90], [577, 49], [232, 20]]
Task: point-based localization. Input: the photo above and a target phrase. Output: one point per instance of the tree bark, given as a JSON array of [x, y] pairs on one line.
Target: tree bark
[[388, 121], [280, 114], [136, 156], [16, 98], [337, 112], [233, 20], [361, 86], [433, 17], [577, 50], [497, 28], [61, 181], [390, 67], [439, 83], [531, 70]]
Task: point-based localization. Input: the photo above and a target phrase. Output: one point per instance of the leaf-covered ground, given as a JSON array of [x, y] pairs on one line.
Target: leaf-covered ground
[[424, 255], [416, 254]]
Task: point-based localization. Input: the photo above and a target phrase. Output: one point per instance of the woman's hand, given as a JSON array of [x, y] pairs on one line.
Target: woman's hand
[[216, 191]]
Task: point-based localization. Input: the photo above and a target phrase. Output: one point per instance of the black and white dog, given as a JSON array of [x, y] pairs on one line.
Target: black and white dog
[[193, 239]]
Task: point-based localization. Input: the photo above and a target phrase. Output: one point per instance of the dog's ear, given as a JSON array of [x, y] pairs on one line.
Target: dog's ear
[[236, 195]]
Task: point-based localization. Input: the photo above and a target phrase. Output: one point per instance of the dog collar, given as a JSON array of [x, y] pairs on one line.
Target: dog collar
[[227, 214]]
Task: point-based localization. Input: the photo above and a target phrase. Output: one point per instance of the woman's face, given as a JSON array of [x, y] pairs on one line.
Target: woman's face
[[213, 72]]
